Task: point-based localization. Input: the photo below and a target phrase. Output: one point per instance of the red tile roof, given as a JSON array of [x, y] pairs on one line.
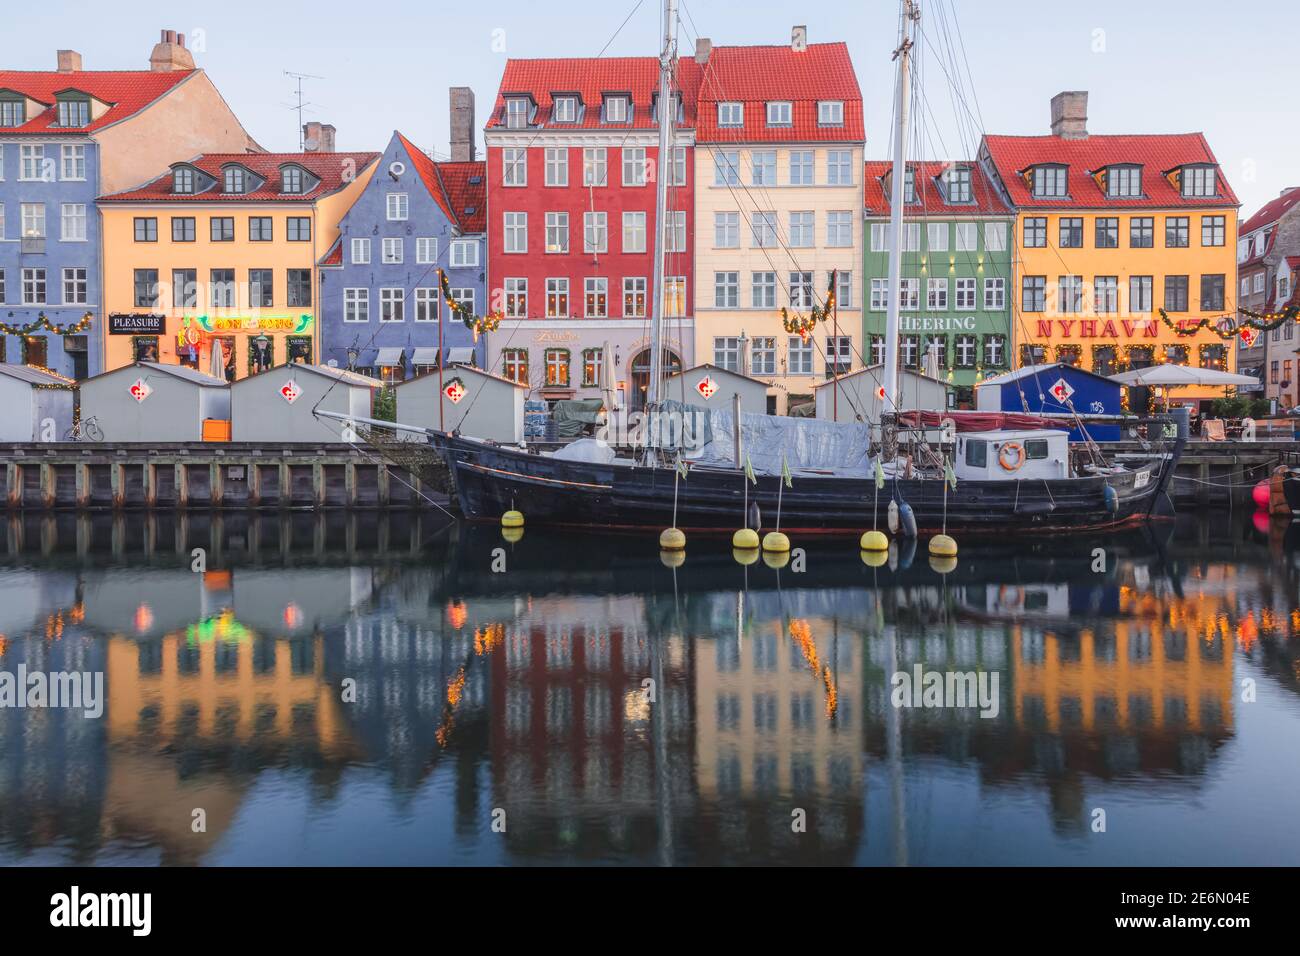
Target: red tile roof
[[466, 188], [424, 166], [756, 75], [590, 78], [335, 256], [126, 91], [1271, 211], [929, 200], [334, 170], [1156, 153]]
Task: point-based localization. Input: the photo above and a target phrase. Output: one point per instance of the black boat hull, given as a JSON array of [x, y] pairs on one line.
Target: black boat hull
[[491, 480]]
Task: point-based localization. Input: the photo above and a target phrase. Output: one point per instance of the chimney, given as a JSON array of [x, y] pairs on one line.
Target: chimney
[[1070, 114], [703, 47], [69, 61], [799, 39], [318, 137], [169, 53], [462, 124]]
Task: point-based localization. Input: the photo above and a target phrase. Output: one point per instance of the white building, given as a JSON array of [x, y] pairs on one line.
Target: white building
[[712, 386], [854, 398], [154, 402], [279, 405], [471, 401], [35, 405]]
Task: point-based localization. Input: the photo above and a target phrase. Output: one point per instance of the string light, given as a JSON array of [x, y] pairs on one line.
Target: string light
[[478, 324], [42, 323], [803, 325]]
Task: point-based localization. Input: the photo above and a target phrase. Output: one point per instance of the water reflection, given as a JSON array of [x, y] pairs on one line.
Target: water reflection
[[368, 689]]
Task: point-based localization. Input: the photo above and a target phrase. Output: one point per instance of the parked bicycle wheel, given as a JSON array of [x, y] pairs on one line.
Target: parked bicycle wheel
[[72, 434], [92, 430]]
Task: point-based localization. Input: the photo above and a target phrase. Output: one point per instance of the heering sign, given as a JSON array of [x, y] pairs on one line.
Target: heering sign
[[934, 323]]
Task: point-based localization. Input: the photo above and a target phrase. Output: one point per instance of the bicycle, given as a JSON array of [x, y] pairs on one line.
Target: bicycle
[[87, 430]]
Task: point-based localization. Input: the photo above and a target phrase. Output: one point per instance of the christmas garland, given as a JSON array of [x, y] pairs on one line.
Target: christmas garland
[[42, 323], [803, 325], [1228, 327], [478, 324]]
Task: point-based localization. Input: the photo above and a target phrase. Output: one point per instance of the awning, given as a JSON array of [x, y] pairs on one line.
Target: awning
[[461, 354], [389, 357], [424, 356], [366, 358], [1170, 374]]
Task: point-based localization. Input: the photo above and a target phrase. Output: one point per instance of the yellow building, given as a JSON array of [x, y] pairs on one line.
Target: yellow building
[[778, 209], [223, 250], [1125, 247]]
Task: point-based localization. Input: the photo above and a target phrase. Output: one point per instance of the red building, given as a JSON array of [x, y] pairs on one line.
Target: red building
[[572, 159]]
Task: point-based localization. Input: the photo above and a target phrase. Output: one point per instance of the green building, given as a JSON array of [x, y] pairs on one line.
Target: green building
[[956, 274]]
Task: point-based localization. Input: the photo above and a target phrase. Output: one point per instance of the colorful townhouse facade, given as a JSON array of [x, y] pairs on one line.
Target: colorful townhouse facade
[[1268, 256], [955, 289], [572, 152], [1109, 231], [222, 251], [382, 308], [66, 137], [779, 207]]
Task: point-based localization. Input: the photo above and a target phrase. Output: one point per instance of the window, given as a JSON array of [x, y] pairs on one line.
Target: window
[[1033, 294], [1124, 182], [75, 291], [356, 305], [392, 305], [936, 236], [1142, 232], [726, 353], [221, 288], [616, 110], [557, 298], [995, 236], [291, 180], [726, 230], [1176, 232], [965, 294], [778, 114], [967, 237], [298, 229], [726, 290], [675, 231], [844, 290], [1212, 292], [909, 185], [1139, 294], [516, 292], [185, 288], [839, 355], [557, 232], [595, 232], [936, 294], [146, 288], [517, 110], [514, 365], [426, 250], [764, 167], [74, 112], [909, 351], [879, 294], [763, 225], [1214, 356], [995, 294], [731, 114], [595, 297], [146, 229], [31, 165], [183, 229], [1175, 293], [802, 166], [464, 254], [33, 219], [957, 181], [261, 291], [13, 112], [1049, 182], [591, 361], [677, 169], [298, 284], [830, 113], [464, 297], [726, 167], [222, 229], [802, 226], [634, 232], [557, 367], [839, 228], [1272, 374], [1107, 233], [259, 228], [839, 167], [964, 351], [801, 290], [360, 252], [397, 207], [565, 110], [393, 251], [1105, 294], [1199, 181], [995, 350], [877, 350], [516, 232], [514, 166], [1069, 294], [74, 162], [634, 166], [909, 293], [557, 166], [233, 180], [1212, 230], [183, 180], [1071, 232], [426, 305], [634, 297], [762, 356], [594, 167], [34, 285], [1036, 232], [762, 290]]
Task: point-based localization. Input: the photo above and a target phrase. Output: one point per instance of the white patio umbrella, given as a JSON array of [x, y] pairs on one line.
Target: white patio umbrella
[[1169, 375], [608, 393], [218, 364]]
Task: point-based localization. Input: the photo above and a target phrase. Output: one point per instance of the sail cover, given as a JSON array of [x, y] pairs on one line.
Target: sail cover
[[976, 421]]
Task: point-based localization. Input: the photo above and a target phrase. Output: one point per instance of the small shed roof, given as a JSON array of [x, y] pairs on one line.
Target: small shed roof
[[35, 376], [1049, 368], [182, 372], [718, 369], [341, 375], [877, 372]]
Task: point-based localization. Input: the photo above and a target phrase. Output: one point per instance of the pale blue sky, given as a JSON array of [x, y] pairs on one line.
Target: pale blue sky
[[1166, 66]]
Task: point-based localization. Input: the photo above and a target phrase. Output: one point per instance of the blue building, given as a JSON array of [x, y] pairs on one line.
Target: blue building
[[380, 307], [1054, 389]]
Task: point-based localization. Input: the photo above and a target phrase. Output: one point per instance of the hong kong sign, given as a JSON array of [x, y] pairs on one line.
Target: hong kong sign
[[130, 323], [256, 323]]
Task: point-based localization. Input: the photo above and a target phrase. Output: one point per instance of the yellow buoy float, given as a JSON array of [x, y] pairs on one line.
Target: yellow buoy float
[[874, 541], [776, 559], [513, 535], [943, 546], [943, 563], [746, 539], [745, 556], [512, 519], [672, 559], [672, 539], [875, 559], [776, 541]]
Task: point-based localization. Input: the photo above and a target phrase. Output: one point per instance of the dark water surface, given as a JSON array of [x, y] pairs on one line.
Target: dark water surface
[[503, 716]]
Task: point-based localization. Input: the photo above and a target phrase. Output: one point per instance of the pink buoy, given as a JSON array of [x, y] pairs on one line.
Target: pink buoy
[[1260, 494], [1261, 522]]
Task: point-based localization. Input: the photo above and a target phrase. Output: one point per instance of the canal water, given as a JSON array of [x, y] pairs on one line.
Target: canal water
[[331, 689]]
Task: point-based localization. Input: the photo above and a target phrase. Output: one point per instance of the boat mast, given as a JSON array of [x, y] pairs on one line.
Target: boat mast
[[667, 120], [898, 179]]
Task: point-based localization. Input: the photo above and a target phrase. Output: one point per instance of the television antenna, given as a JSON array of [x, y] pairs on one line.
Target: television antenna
[[300, 103]]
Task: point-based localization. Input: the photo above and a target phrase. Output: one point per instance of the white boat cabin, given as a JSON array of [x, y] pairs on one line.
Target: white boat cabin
[[1012, 455]]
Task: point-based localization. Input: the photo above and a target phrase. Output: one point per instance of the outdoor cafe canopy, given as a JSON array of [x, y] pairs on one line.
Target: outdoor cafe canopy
[[1169, 375]]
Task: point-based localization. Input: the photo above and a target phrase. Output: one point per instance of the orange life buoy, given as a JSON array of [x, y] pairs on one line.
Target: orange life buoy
[[1003, 456]]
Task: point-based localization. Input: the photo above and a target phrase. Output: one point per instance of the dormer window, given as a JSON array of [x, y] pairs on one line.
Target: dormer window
[[1199, 181], [234, 180], [830, 113], [74, 112], [731, 114], [13, 112], [616, 109], [1049, 182], [292, 180], [183, 180], [676, 105], [779, 113], [1124, 182], [517, 110], [909, 186], [956, 181], [566, 109]]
